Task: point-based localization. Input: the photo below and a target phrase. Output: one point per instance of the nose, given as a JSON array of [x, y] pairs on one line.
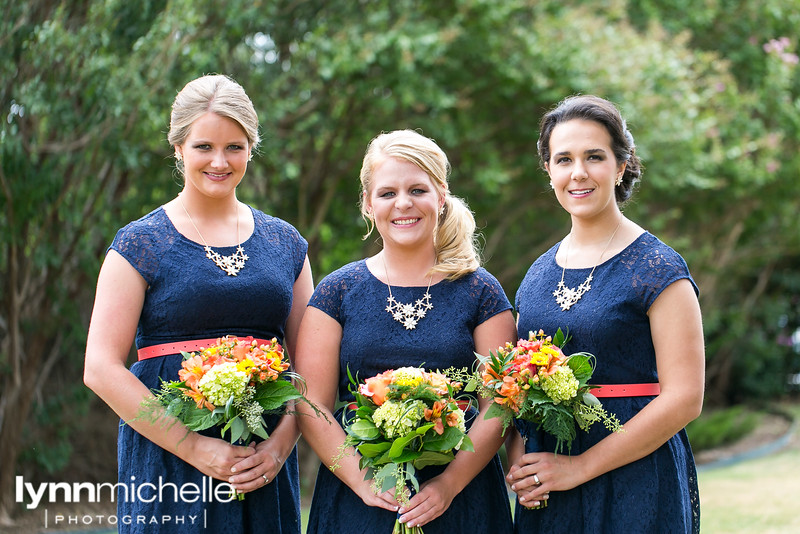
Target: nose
[[219, 161], [402, 201], [579, 171]]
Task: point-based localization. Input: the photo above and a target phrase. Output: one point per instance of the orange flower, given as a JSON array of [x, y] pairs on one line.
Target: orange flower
[[377, 387], [510, 388], [452, 419], [241, 350], [193, 370], [199, 399]]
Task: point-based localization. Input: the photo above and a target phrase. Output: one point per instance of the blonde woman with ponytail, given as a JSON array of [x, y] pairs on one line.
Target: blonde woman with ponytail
[[423, 300]]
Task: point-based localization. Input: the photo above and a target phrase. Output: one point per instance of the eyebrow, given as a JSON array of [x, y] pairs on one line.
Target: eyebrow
[[588, 152]]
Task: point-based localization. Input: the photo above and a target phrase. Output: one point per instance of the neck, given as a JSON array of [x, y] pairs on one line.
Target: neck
[[406, 268], [594, 233], [203, 208]]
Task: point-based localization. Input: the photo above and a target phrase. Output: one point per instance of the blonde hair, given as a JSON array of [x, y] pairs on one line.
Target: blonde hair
[[214, 93], [454, 238]]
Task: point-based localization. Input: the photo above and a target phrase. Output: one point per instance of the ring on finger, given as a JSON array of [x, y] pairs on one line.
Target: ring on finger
[[266, 480], [536, 480]]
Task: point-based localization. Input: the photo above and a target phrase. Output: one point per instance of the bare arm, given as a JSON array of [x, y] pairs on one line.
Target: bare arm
[[675, 315], [118, 305], [436, 495], [318, 362]]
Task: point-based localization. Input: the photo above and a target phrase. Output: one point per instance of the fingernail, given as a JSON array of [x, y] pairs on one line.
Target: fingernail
[[513, 487], [233, 469], [522, 499]]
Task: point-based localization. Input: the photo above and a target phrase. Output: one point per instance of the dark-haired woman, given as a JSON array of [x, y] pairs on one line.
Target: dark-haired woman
[[629, 299]]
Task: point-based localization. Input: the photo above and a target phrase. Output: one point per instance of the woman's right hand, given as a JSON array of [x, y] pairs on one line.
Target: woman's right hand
[[214, 457], [383, 500]]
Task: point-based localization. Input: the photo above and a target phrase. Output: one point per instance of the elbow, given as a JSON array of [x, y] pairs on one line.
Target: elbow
[[92, 378], [692, 406], [89, 379]]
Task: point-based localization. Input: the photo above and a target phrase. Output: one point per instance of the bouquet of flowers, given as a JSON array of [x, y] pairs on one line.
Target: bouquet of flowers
[[535, 381], [229, 385], [405, 419]]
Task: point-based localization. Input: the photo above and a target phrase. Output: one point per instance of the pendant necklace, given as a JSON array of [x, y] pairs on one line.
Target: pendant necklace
[[567, 296], [407, 314], [230, 264]]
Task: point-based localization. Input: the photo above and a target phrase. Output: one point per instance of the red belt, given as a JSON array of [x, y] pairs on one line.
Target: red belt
[[154, 351], [627, 390]]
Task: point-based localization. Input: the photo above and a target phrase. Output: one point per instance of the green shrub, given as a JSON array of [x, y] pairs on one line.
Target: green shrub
[[721, 427]]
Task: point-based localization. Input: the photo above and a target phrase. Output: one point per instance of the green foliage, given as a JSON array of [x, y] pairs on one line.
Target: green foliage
[[721, 427]]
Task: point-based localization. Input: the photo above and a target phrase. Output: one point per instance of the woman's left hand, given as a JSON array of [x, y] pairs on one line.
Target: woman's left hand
[[433, 499], [257, 470], [537, 474]]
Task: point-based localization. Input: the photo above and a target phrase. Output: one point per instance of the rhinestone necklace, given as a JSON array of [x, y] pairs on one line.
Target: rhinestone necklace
[[565, 296], [407, 314], [230, 264]]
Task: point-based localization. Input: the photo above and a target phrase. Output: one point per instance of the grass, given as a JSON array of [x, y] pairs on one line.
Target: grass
[[758, 495]]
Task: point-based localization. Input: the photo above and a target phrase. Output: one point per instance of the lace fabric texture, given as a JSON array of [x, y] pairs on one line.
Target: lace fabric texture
[[372, 342], [189, 297], [658, 493]]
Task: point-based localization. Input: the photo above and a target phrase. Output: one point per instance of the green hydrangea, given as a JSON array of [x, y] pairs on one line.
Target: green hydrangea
[[561, 385], [397, 419], [222, 382]]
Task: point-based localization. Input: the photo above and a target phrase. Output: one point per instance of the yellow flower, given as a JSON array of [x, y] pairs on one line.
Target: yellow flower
[[407, 376], [245, 365]]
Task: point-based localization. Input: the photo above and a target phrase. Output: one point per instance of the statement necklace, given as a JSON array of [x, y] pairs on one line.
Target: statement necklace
[[567, 296], [230, 264], [407, 314]]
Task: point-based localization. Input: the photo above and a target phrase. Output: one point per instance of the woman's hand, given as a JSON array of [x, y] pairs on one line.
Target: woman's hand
[[433, 499], [537, 474], [258, 469], [215, 457], [383, 500]]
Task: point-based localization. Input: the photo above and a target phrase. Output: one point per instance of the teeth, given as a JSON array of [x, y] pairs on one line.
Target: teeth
[[405, 221], [581, 191]]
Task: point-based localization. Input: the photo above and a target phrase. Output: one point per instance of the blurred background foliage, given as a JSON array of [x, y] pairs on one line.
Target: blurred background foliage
[[710, 88]]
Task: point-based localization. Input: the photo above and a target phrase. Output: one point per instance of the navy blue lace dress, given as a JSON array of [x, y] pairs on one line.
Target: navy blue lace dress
[[372, 342], [189, 297], [658, 493]]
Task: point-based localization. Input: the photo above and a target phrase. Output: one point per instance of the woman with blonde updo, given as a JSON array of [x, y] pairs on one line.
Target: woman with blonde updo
[[429, 260], [202, 266]]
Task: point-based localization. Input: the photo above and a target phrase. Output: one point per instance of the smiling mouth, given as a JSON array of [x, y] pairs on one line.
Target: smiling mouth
[[217, 175], [404, 222], [579, 192]]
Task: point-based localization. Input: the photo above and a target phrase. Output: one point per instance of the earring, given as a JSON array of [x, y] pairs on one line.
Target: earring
[[619, 180], [551, 185], [178, 156], [441, 210]]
